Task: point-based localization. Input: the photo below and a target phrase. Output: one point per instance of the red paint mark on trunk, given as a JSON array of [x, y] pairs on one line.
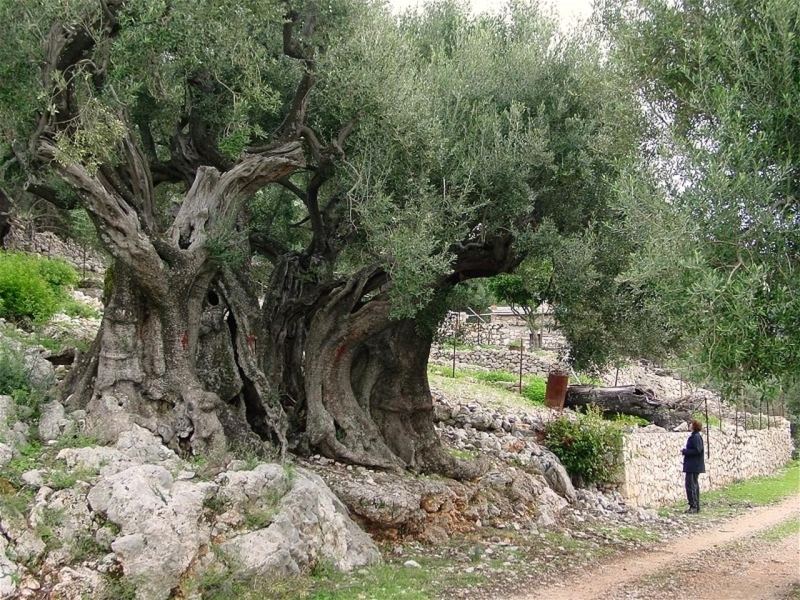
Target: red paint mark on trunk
[[340, 351], [185, 341], [251, 342]]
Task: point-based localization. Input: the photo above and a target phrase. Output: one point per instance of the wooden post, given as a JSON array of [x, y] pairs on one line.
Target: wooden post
[[616, 377]]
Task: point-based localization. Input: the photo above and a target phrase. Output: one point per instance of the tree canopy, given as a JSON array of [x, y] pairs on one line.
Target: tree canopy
[[721, 82]]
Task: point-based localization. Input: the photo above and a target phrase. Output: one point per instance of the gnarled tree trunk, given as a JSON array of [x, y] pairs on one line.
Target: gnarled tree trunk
[[627, 400]]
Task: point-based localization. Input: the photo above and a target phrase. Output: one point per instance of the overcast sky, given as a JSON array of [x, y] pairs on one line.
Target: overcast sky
[[570, 12]]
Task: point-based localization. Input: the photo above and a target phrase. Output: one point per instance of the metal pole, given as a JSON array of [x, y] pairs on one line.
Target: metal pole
[[708, 430], [768, 403], [616, 377], [520, 365], [455, 333], [760, 402], [680, 378]]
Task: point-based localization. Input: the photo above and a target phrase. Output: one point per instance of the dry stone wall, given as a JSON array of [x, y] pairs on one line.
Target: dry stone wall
[[494, 360], [653, 464]]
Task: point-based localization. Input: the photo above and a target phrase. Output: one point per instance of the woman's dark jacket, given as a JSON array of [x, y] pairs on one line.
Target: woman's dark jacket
[[693, 459]]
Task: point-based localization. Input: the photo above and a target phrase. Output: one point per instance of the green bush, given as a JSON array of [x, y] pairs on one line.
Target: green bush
[[13, 374], [59, 275], [589, 447], [32, 287], [535, 389], [494, 376]]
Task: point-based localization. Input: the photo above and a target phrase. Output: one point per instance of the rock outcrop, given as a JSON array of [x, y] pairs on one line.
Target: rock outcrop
[[138, 511]]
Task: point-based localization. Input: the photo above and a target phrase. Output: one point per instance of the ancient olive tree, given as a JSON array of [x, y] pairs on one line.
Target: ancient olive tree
[[164, 118], [289, 193], [481, 131]]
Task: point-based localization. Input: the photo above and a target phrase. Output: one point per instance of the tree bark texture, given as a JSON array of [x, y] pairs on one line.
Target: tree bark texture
[[627, 400]]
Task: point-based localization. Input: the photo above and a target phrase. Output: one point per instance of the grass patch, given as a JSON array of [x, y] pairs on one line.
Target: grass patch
[[534, 389], [782, 530], [443, 371], [462, 454], [569, 543], [31, 456], [258, 518], [60, 479], [759, 490], [118, 588], [630, 420], [45, 529], [85, 547], [390, 581], [494, 376], [711, 422], [14, 504], [637, 534]]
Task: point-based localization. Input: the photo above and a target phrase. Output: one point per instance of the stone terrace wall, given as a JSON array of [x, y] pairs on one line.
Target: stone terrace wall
[[653, 462], [494, 360]]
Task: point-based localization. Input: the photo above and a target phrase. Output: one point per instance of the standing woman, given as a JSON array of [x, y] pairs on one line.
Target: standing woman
[[694, 464]]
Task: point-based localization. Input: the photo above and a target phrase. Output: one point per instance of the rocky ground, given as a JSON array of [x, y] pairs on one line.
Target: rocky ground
[[81, 520]]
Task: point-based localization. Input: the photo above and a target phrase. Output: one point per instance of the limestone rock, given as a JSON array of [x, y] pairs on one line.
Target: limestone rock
[[556, 475], [77, 583], [54, 423], [33, 478], [310, 524], [41, 373], [12, 432], [135, 446], [8, 572], [6, 454], [74, 519], [160, 521]]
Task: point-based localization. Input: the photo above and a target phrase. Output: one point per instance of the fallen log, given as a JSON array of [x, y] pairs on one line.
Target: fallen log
[[627, 400]]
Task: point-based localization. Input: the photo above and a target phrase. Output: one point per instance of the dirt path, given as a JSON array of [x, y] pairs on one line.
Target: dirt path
[[718, 564]]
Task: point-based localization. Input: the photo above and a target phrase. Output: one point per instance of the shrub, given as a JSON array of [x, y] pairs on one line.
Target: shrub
[[13, 373], [589, 447], [535, 390], [32, 287]]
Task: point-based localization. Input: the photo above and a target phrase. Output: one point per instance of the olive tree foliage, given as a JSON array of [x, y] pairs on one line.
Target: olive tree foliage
[[720, 81], [355, 165], [524, 290]]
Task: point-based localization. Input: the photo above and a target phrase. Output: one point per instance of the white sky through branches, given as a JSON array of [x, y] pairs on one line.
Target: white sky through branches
[[570, 12]]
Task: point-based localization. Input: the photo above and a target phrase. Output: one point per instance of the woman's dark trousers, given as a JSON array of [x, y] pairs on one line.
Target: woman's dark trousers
[[693, 490]]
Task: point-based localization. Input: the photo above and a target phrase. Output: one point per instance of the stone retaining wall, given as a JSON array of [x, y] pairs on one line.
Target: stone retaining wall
[[494, 360], [653, 462]]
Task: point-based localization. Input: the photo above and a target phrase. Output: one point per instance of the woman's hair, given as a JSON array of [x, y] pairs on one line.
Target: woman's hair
[[697, 425]]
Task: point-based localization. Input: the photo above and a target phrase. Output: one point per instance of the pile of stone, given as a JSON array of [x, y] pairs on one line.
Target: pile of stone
[[136, 509]]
